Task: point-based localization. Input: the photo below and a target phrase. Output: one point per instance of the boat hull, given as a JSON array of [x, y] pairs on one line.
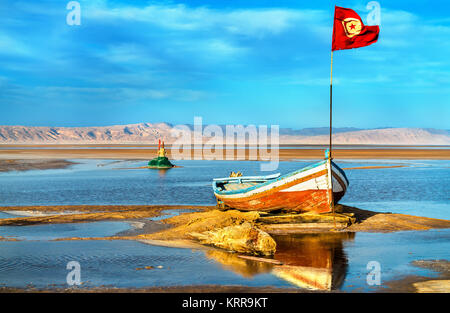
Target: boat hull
[[302, 201], [307, 190]]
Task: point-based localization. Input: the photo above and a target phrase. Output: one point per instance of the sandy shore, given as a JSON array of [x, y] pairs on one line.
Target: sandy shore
[[423, 284], [145, 153]]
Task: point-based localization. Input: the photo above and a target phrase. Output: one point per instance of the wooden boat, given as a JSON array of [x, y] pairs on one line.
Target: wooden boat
[[314, 188]]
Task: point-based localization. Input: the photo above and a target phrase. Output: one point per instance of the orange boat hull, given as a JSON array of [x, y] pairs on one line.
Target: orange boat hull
[[309, 200]]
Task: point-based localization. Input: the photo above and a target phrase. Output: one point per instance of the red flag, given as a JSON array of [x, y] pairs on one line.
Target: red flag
[[349, 31]]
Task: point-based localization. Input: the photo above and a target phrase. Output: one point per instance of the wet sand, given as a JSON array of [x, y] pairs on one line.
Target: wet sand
[[32, 164], [170, 289], [57, 156], [84, 213], [370, 221], [207, 218], [114, 152], [423, 284]]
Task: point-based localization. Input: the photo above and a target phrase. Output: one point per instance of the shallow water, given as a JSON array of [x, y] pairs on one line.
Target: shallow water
[[394, 252], [56, 231], [335, 262], [422, 188], [114, 263], [169, 213]]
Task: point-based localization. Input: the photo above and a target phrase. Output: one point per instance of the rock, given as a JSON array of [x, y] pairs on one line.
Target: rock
[[433, 286], [442, 266], [199, 222], [144, 268], [244, 238]]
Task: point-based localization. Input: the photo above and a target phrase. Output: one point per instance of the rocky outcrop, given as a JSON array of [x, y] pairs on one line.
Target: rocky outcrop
[[244, 238]]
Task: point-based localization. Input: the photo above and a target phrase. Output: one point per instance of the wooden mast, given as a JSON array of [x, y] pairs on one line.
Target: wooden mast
[[331, 104], [330, 173]]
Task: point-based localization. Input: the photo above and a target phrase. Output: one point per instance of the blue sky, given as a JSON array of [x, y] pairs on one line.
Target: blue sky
[[230, 62]]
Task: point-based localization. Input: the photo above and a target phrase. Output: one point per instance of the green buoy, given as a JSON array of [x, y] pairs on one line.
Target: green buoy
[[161, 161]]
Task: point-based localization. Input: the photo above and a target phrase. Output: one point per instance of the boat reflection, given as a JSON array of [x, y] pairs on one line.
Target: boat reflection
[[310, 261], [313, 261]]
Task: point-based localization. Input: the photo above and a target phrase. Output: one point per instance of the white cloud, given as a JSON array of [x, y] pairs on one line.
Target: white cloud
[[222, 48], [9, 45], [129, 53], [125, 94], [257, 22], [111, 95], [401, 29]]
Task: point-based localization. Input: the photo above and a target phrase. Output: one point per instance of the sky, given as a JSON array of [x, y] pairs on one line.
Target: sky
[[228, 61]]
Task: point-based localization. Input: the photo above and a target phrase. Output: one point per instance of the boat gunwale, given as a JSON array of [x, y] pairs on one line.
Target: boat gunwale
[[247, 178]]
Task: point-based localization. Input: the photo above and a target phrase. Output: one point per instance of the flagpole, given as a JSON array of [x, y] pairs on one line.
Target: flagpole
[[346, 24], [331, 103], [331, 141]]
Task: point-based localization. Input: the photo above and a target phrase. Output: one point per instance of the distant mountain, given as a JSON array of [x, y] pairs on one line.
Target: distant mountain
[[438, 131], [147, 133], [315, 131], [132, 133], [386, 136]]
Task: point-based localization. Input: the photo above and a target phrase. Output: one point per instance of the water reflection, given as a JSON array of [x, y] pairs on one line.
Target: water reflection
[[311, 261], [162, 172], [244, 267]]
